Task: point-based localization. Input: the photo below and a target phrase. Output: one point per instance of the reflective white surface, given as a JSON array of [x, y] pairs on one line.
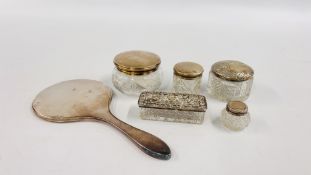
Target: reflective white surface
[[44, 42]]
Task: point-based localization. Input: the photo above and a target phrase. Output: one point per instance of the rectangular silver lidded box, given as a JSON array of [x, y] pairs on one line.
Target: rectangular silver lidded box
[[172, 107]]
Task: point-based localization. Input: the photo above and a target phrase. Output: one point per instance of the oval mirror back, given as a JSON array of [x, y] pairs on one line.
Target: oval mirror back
[[73, 100]]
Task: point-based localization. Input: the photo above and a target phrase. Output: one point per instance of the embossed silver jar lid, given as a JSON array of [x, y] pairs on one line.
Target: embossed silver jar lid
[[188, 70], [232, 70], [237, 108], [172, 101]]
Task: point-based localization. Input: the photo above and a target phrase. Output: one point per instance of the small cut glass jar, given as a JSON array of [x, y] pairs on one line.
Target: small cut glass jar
[[187, 77], [235, 116], [136, 71], [230, 80]]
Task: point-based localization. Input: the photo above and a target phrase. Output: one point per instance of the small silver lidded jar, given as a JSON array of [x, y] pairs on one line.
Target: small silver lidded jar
[[230, 80], [172, 107], [136, 71], [235, 116], [187, 77]]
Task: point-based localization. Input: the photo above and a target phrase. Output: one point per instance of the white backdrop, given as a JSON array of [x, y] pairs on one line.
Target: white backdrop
[[44, 42]]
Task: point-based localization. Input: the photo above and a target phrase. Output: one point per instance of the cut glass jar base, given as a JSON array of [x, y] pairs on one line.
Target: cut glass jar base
[[234, 122], [135, 84], [172, 115], [190, 86], [228, 90]]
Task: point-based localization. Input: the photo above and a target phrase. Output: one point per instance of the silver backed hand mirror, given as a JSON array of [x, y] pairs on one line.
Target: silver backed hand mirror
[[77, 100]]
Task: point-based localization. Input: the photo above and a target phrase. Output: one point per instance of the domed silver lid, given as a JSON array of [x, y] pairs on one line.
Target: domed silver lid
[[232, 70], [237, 108]]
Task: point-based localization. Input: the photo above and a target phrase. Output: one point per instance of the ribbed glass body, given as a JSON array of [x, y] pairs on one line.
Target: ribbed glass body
[[135, 84], [172, 115], [234, 122], [228, 90], [186, 85]]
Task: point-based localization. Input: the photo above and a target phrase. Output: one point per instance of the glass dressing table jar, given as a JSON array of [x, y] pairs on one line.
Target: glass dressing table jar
[[187, 77], [230, 80], [235, 116], [136, 71]]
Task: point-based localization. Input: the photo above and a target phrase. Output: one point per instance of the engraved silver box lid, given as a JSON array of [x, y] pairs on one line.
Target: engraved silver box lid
[[173, 101]]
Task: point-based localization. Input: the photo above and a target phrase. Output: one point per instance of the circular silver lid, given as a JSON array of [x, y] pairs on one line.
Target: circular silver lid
[[188, 69], [237, 108], [232, 70], [137, 62]]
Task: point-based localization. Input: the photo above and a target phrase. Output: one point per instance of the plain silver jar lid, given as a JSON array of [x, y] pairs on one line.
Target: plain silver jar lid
[[237, 108], [188, 69], [137, 62]]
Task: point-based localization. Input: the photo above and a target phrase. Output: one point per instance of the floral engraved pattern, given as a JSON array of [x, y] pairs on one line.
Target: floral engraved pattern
[[172, 107], [173, 101]]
